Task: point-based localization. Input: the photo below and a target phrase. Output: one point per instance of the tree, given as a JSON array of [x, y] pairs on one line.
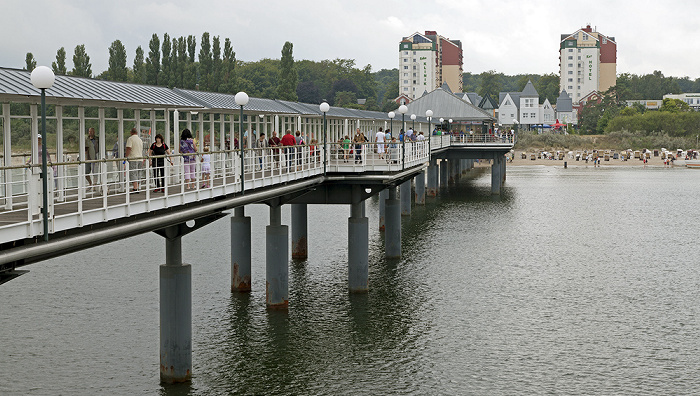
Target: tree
[[674, 106], [490, 84], [139, 67], [166, 62], [59, 67], [153, 61], [215, 79], [287, 89], [175, 75], [205, 63], [346, 99], [81, 62], [117, 61], [548, 87], [30, 62], [228, 69], [307, 92]]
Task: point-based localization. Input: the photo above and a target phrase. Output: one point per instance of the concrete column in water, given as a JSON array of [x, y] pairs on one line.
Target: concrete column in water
[[277, 260], [420, 189], [175, 313], [358, 247], [382, 208], [392, 235], [300, 248], [496, 176], [503, 168], [432, 178], [240, 251], [443, 173], [405, 196]]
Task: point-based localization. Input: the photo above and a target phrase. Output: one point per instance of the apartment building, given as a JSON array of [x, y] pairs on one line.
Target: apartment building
[[427, 61]]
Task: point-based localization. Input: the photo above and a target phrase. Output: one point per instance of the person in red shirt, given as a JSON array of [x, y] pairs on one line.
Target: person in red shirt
[[288, 142]]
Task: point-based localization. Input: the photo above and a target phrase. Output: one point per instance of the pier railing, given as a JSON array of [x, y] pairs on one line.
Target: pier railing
[[169, 181]]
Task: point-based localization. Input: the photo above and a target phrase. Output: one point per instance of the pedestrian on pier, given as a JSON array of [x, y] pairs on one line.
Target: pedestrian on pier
[[275, 142], [134, 154], [299, 141], [288, 142], [159, 149], [92, 148], [206, 167], [261, 144], [380, 142], [187, 146]]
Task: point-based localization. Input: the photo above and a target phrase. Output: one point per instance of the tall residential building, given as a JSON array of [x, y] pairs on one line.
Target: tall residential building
[[587, 63], [426, 61]]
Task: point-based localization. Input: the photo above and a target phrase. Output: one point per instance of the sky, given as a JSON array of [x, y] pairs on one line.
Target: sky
[[508, 36]]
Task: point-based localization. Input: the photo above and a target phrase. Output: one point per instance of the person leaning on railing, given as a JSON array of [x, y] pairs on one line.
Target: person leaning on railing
[[159, 149], [134, 153]]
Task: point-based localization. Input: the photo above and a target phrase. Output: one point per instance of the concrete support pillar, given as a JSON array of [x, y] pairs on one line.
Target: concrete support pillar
[[358, 249], [420, 189], [382, 208], [276, 261], [496, 176], [503, 169], [452, 171], [405, 196], [240, 251], [175, 314], [443, 173], [299, 232], [392, 236], [432, 178]]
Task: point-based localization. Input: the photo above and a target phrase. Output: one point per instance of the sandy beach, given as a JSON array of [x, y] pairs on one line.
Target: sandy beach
[[571, 162]]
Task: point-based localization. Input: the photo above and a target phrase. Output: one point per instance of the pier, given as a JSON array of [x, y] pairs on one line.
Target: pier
[[82, 213]]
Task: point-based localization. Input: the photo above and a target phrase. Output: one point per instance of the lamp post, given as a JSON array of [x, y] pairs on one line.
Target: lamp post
[[42, 78], [515, 137], [324, 107], [403, 109], [429, 115], [413, 118], [241, 99], [391, 123]]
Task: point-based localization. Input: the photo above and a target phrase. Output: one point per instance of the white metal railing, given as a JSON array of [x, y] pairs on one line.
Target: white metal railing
[[168, 181], [505, 138]]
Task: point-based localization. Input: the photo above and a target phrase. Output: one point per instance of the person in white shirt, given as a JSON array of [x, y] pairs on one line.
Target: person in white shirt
[[380, 143]]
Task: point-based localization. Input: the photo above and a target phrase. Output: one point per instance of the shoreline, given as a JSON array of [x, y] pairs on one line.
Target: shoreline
[[571, 162]]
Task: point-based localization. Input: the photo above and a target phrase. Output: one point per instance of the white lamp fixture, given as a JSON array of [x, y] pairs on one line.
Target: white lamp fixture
[[413, 117], [450, 120], [391, 114], [42, 77], [241, 98], [442, 120], [403, 109], [428, 113], [324, 107]]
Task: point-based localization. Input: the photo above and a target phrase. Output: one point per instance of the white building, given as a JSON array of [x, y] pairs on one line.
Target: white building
[[508, 108], [566, 114], [548, 113], [692, 99], [426, 62], [530, 111]]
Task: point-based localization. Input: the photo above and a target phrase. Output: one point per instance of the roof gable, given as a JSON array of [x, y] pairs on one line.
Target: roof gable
[[529, 90]]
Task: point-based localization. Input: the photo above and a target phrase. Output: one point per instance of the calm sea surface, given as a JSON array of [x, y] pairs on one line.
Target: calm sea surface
[[574, 281]]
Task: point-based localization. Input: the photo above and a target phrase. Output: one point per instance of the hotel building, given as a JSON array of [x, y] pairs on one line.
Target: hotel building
[[426, 61], [587, 63]]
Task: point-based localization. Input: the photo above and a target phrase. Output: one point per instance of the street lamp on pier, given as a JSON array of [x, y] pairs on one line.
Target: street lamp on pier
[[429, 116], [324, 107], [241, 99], [42, 78], [413, 117], [403, 109], [391, 123]]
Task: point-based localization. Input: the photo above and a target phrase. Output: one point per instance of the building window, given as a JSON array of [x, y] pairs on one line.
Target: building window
[[579, 87], [570, 71], [571, 80], [571, 50], [405, 60], [579, 57], [414, 52], [570, 65], [578, 80], [414, 81], [405, 88], [405, 67], [414, 67], [405, 74], [571, 57], [414, 59], [570, 87], [405, 81], [414, 74]]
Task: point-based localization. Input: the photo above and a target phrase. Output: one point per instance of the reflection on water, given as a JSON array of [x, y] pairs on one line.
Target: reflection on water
[[576, 281]]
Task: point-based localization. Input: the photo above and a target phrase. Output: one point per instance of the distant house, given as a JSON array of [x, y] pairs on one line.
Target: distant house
[[565, 111], [488, 105], [548, 113], [402, 100], [591, 97], [508, 108], [530, 112]]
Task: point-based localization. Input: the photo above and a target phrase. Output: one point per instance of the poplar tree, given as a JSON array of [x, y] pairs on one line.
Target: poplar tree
[[215, 79], [139, 67], [30, 62], [228, 69], [59, 67], [174, 65], [181, 61], [153, 61], [166, 62], [117, 62], [287, 88], [205, 63], [81, 62]]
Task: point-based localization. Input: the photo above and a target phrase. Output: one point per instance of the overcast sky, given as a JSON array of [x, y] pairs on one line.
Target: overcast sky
[[509, 36]]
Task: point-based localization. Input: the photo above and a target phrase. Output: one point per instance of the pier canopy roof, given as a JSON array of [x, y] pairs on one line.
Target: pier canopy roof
[[446, 105], [16, 86], [227, 103]]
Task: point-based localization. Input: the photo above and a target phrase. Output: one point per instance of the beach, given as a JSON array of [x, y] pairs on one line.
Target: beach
[[571, 162]]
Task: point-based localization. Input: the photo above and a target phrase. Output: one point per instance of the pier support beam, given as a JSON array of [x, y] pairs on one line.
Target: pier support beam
[[405, 196], [175, 312], [382, 208], [300, 248], [496, 175], [444, 173], [432, 178], [503, 168], [392, 235], [358, 245], [240, 251], [420, 189], [276, 261]]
